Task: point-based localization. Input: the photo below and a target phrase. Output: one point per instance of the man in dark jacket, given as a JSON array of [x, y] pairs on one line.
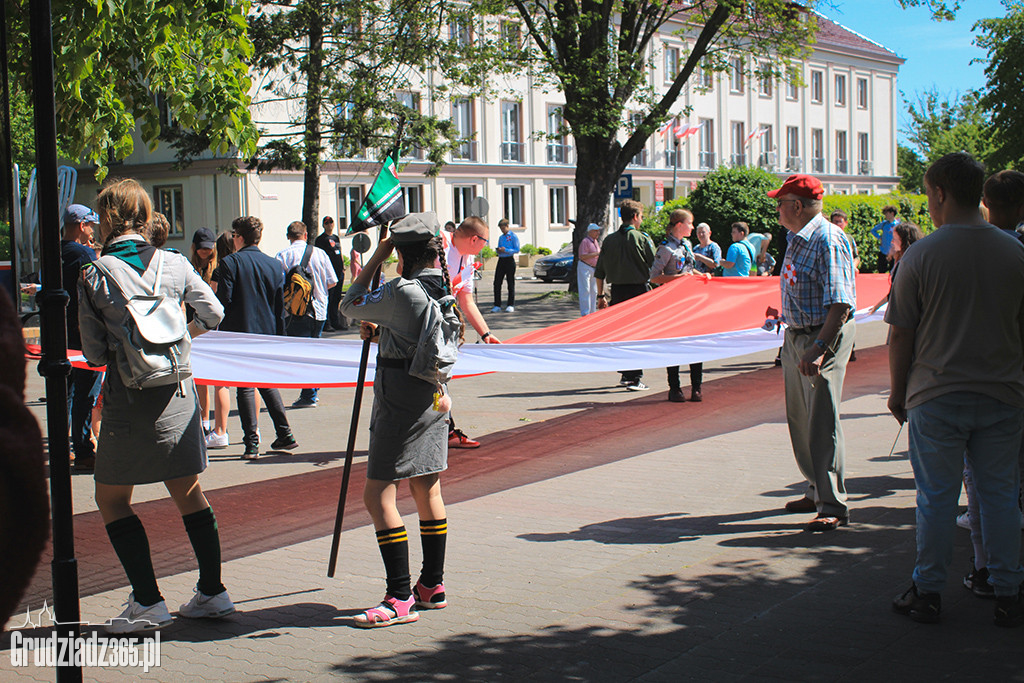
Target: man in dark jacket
[[250, 285], [331, 243]]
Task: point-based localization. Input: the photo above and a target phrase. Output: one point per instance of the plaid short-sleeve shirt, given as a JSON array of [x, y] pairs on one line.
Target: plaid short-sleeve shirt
[[816, 273]]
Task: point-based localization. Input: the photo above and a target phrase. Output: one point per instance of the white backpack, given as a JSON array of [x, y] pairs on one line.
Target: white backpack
[[438, 346]]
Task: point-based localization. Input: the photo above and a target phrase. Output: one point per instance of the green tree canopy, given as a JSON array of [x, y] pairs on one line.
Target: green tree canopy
[[728, 195], [940, 125], [113, 58], [1003, 39]]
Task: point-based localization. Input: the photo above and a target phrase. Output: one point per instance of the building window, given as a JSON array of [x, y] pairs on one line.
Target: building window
[[842, 155], [739, 142], [736, 75], [411, 101], [862, 93], [792, 148], [462, 196], [706, 157], [558, 201], [512, 35], [413, 196], [707, 76], [840, 90], [350, 198], [460, 32], [817, 150], [671, 63], [792, 92], [558, 150], [640, 159], [511, 132], [512, 202], [170, 201], [767, 158], [765, 84], [817, 86], [863, 154], [462, 117]]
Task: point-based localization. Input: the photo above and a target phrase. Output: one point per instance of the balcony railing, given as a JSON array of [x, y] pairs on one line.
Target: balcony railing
[[558, 153], [738, 160], [842, 166], [794, 163], [512, 151], [465, 152], [865, 167], [817, 164], [706, 160]]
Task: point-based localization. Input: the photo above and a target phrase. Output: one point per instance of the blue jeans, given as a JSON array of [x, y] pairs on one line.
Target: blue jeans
[[941, 430], [306, 327], [83, 390]]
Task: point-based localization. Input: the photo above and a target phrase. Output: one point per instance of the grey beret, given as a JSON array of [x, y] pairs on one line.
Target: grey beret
[[415, 227]]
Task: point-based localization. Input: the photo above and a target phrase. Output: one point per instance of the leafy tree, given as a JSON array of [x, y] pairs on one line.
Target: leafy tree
[[728, 195], [1003, 38], [940, 125], [332, 73], [597, 53], [911, 170], [113, 57]]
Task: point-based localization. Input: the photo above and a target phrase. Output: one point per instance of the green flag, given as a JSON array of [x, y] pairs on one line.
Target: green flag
[[384, 202]]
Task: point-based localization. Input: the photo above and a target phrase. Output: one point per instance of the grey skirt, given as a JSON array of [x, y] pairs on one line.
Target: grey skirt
[[408, 438], [148, 435]]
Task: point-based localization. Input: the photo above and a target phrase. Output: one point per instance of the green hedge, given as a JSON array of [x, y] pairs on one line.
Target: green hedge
[[655, 223], [864, 211]]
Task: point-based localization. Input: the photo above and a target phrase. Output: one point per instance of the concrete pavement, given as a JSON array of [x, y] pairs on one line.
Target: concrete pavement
[[597, 535]]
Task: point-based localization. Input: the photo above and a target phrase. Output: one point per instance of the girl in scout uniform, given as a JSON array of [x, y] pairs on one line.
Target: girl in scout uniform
[[409, 422]]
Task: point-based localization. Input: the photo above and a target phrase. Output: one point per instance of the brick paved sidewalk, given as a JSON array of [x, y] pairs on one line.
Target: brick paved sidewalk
[[621, 540]]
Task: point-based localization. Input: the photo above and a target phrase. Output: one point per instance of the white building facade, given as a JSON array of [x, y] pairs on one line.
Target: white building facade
[[840, 126]]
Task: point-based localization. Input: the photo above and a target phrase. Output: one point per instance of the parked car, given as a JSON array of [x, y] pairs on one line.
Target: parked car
[[557, 266]]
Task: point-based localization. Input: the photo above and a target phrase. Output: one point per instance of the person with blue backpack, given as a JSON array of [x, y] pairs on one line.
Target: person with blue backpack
[[418, 327]]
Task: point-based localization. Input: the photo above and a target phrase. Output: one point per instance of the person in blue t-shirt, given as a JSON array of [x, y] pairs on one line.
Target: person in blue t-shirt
[[883, 233], [741, 255], [508, 251]]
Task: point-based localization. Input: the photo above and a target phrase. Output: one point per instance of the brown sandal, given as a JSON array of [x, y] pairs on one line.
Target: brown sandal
[[827, 523]]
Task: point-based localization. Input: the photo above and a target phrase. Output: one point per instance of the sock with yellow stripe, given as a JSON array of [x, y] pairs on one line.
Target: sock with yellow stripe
[[394, 550], [433, 537]]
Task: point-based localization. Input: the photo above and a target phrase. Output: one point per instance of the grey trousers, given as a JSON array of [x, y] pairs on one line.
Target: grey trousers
[[812, 411]]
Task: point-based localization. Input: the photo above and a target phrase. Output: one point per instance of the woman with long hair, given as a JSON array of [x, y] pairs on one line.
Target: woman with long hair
[[204, 260], [409, 423], [151, 434], [903, 235]]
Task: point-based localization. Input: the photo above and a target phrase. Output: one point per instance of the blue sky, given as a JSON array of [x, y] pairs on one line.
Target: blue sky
[[938, 54]]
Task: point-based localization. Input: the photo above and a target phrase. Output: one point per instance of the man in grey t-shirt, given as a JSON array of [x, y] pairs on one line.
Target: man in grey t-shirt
[[957, 369]]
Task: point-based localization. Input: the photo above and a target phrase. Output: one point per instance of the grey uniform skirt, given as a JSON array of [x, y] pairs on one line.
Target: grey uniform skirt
[[408, 438], [148, 435]]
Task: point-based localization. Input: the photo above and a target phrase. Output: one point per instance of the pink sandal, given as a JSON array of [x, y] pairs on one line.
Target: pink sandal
[[389, 612], [429, 598]]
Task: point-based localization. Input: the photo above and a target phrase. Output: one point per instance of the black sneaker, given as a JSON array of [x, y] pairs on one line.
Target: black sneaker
[[977, 582], [284, 443], [252, 451], [676, 396], [1010, 610], [923, 608]]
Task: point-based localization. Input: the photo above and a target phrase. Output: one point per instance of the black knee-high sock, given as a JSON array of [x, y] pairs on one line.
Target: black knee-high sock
[[394, 550], [433, 537], [202, 532], [131, 544]]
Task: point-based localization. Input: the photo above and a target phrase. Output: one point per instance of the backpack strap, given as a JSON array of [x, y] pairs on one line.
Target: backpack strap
[[156, 285], [306, 256]]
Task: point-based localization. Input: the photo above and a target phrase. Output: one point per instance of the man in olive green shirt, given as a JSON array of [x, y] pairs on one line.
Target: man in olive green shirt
[[625, 261]]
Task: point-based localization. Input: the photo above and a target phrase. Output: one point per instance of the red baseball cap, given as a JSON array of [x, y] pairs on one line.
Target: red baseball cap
[[802, 186]]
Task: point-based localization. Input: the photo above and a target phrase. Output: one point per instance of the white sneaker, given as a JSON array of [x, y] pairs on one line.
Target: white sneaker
[[636, 386], [203, 606], [510, 309], [964, 521], [215, 440], [137, 618], [496, 309]]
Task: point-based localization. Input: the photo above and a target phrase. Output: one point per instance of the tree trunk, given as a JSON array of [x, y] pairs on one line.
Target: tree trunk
[[597, 170], [312, 141]]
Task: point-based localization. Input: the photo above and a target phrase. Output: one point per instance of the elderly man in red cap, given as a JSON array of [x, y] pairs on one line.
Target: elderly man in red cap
[[818, 297]]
